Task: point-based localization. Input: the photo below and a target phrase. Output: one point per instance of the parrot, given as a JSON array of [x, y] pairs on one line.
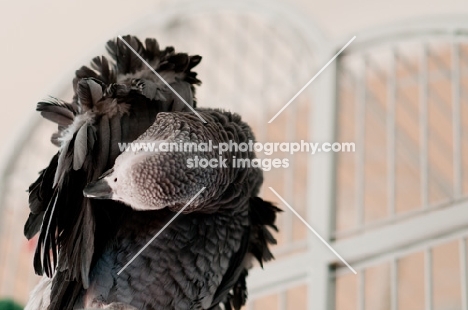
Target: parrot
[[94, 206]]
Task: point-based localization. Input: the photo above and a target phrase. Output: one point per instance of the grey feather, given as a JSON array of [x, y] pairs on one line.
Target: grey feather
[[95, 91], [80, 147], [64, 161], [103, 136], [185, 91]]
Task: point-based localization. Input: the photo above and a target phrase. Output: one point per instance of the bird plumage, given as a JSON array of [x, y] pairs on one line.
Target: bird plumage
[[210, 241], [82, 241]]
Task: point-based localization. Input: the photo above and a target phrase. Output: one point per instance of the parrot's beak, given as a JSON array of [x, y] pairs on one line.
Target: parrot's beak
[[99, 189]]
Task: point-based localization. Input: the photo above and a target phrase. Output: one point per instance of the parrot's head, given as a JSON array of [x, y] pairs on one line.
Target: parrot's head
[[161, 172], [151, 181]]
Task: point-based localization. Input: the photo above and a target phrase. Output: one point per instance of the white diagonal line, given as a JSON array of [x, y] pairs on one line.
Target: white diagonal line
[[312, 79], [313, 230], [159, 232], [164, 81]]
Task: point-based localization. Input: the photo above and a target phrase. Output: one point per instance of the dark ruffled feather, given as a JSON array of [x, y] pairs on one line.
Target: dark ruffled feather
[[109, 106], [262, 217], [104, 111]]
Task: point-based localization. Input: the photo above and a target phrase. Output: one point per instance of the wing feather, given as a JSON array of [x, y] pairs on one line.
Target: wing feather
[[89, 130], [80, 147]]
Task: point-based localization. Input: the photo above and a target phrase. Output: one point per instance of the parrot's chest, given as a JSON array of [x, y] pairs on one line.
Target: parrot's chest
[[185, 263]]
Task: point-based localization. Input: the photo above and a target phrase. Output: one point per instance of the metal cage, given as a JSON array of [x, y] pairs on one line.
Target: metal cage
[[400, 204]]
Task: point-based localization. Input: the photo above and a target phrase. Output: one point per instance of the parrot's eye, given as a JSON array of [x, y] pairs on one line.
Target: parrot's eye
[[115, 180]]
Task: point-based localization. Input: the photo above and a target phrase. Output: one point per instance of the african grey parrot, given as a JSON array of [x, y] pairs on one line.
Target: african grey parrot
[[199, 261]]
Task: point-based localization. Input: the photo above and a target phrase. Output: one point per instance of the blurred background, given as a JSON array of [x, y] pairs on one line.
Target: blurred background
[[395, 209]]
